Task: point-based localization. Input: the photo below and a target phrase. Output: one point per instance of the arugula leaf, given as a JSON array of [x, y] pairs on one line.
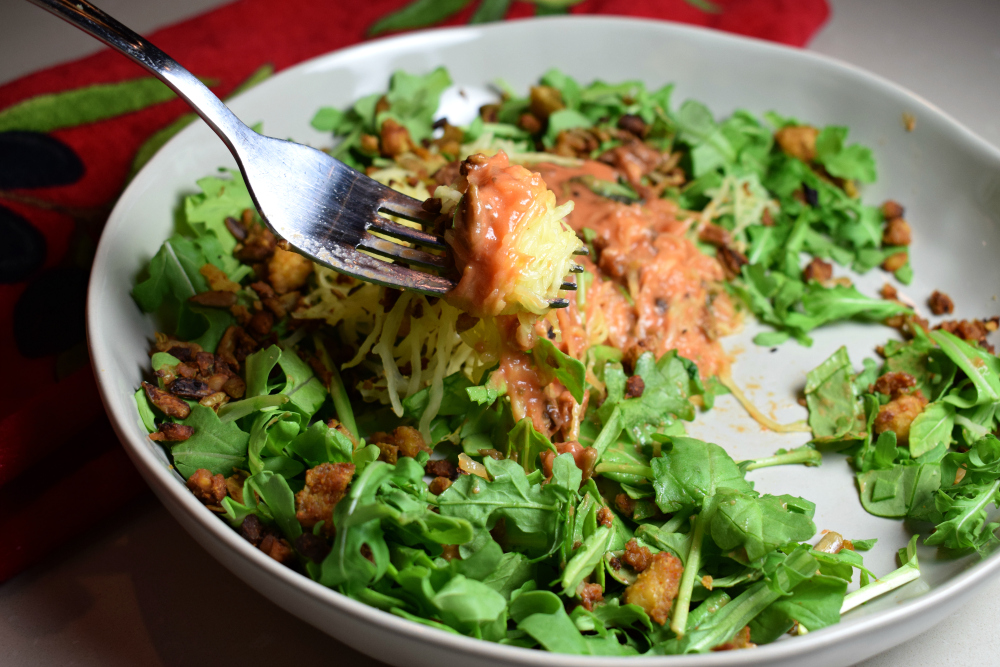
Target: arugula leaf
[[219, 198], [669, 384], [758, 524], [564, 119], [321, 444], [258, 369], [899, 491], [526, 507], [814, 604], [834, 411], [146, 416], [215, 445], [275, 493], [304, 390], [965, 520], [173, 272], [525, 444], [356, 519], [854, 161], [932, 428], [692, 471], [982, 369], [569, 371]]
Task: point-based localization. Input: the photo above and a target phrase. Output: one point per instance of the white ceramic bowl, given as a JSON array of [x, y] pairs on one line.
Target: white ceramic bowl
[[948, 179]]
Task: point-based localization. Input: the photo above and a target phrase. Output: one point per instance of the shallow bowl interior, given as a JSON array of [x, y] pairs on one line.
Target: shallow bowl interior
[[948, 179]]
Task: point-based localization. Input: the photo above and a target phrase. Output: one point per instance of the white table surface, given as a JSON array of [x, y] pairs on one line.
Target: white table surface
[[141, 592]]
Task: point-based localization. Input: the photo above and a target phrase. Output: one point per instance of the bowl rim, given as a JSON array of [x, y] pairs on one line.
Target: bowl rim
[[165, 483]]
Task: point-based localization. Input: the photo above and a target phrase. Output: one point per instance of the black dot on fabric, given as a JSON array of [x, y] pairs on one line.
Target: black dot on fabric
[[22, 247], [49, 316], [35, 160]]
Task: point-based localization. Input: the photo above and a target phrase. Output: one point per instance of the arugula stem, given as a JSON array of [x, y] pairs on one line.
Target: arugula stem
[[904, 575], [612, 429], [678, 623], [338, 392], [625, 468], [676, 521], [805, 455], [734, 615], [891, 581]]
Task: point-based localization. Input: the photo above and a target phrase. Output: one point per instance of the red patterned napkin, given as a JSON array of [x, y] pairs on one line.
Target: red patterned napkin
[[71, 136]]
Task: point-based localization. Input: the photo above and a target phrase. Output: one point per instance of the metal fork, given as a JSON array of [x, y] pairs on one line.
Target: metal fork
[[321, 207]]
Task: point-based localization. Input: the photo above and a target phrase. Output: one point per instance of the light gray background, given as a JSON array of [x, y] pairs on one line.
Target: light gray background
[[140, 591]]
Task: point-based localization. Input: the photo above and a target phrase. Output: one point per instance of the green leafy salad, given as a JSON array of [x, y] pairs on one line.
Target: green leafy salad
[[920, 431], [389, 446]]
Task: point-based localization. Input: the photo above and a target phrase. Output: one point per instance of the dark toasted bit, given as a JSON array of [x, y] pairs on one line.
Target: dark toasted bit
[[169, 404]]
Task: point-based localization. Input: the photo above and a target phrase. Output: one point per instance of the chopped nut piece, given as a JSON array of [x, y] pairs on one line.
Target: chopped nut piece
[[898, 414], [236, 228], [441, 468], [740, 640], [892, 209], [634, 159], [625, 504], [439, 485], [168, 403], [941, 304], [589, 594], [634, 124], [252, 529], [234, 346], [215, 401], [277, 548], [576, 142], [634, 387], [636, 557], [234, 484], [395, 138], [889, 293], [656, 586], [186, 388], [206, 487], [313, 547], [326, 485], [895, 384], [605, 517], [405, 439], [218, 281], [895, 261], [972, 331], [529, 123], [817, 270], [545, 101], [897, 232], [261, 322], [288, 271], [258, 246], [732, 261], [714, 234], [171, 432], [798, 141], [235, 387]]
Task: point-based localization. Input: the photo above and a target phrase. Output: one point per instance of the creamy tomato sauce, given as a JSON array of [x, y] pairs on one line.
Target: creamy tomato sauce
[[651, 287], [498, 196]]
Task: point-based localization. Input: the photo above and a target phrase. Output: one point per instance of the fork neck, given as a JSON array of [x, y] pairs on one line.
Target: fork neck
[[94, 21]]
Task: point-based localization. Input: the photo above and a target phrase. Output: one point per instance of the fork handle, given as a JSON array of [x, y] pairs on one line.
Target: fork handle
[[92, 20]]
